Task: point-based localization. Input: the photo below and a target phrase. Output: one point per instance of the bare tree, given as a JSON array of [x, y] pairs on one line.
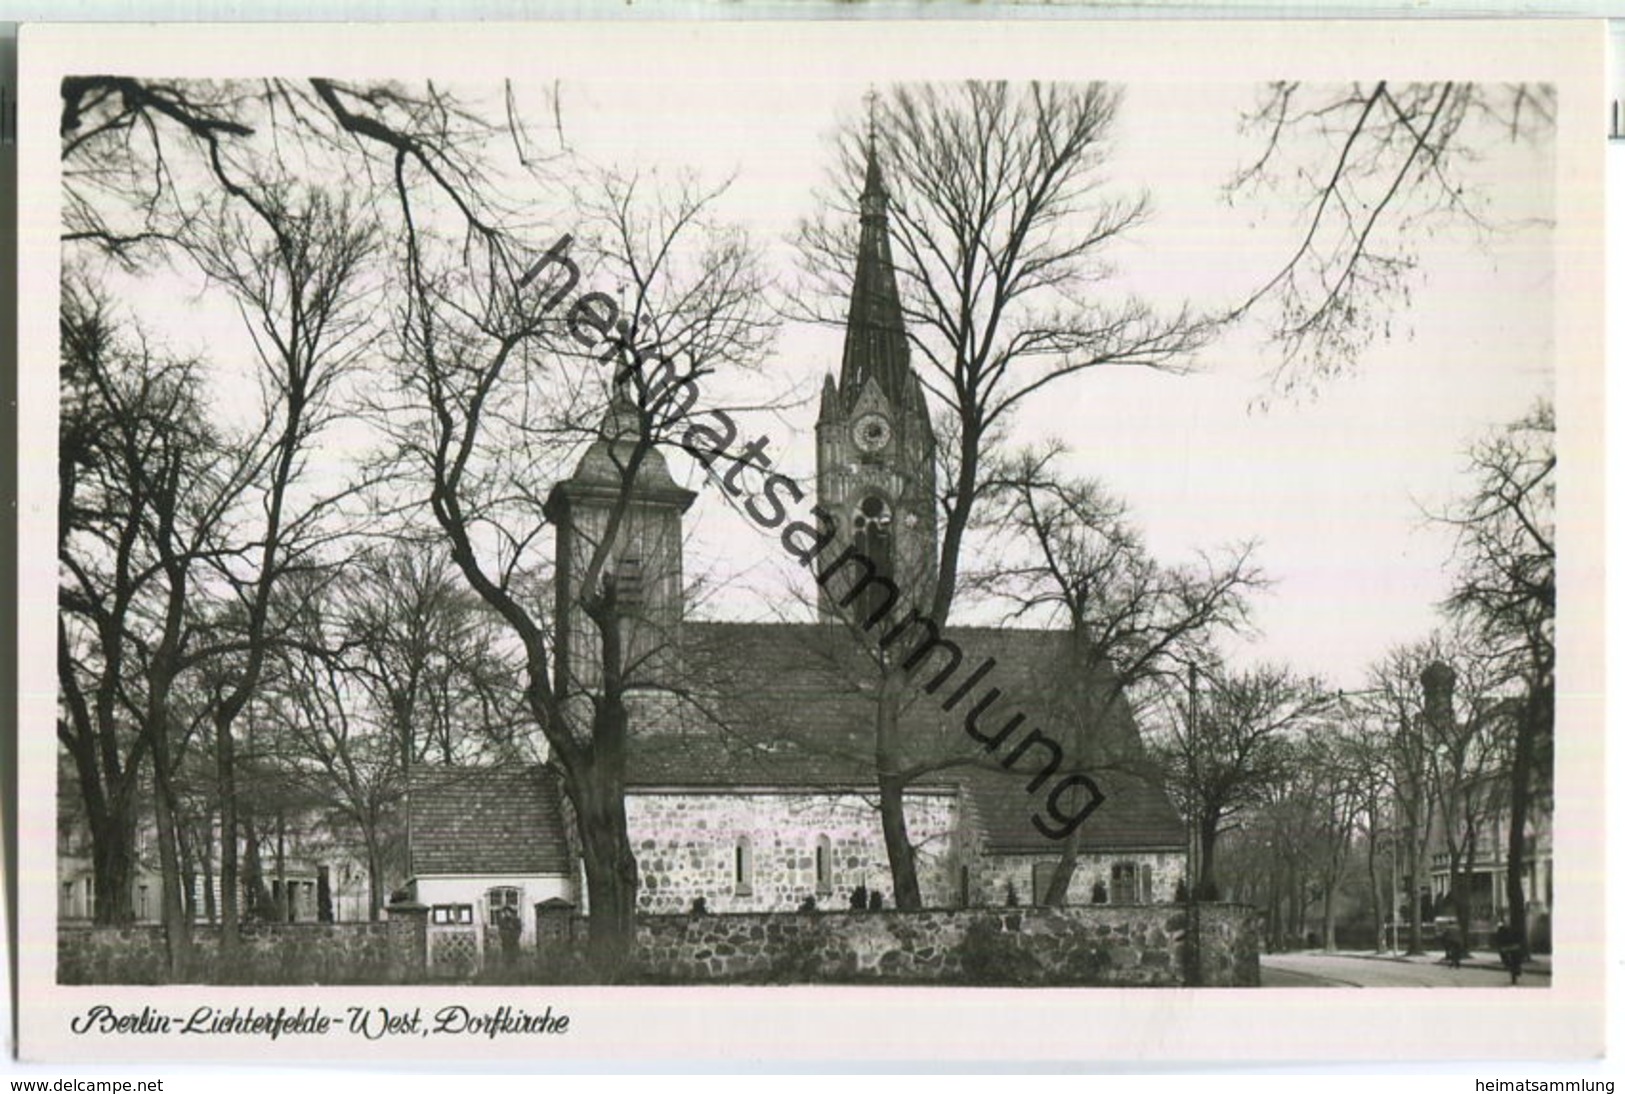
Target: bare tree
[[1377, 165], [1001, 230], [1365, 754], [396, 666], [139, 471], [495, 392], [1237, 750], [1070, 553], [429, 657], [1395, 699], [133, 149], [324, 742], [292, 257], [1466, 714], [1329, 761], [1506, 588], [136, 155], [146, 486], [1437, 718]]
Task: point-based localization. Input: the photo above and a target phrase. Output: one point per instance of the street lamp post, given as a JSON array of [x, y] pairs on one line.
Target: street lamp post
[[1390, 844]]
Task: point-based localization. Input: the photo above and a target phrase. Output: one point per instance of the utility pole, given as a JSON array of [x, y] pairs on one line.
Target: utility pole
[[1194, 867], [1193, 914]]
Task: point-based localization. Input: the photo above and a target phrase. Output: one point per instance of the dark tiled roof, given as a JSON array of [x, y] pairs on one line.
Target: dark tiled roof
[[792, 705], [1134, 815], [487, 820]]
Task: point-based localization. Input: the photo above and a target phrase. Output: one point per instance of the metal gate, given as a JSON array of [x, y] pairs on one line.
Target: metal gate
[[454, 942]]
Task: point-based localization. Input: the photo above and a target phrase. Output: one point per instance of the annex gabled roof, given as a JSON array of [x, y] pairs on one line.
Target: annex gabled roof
[[1136, 815], [487, 820]]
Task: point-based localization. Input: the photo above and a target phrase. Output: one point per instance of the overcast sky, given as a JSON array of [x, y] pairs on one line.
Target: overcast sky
[[1334, 486]]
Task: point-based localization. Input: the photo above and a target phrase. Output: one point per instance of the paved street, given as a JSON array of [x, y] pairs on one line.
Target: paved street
[[1322, 970]]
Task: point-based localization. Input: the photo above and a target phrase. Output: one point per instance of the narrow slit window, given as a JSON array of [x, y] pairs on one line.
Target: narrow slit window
[[743, 866]]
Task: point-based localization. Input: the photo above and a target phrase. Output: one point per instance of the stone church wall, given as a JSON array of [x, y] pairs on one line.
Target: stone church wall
[[997, 874], [1107, 946], [686, 848]]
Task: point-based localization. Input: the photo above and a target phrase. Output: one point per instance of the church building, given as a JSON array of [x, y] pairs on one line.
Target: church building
[[752, 786]]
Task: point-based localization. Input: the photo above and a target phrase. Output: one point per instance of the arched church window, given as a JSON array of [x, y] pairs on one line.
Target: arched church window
[[872, 537], [1125, 883], [743, 866], [823, 866]]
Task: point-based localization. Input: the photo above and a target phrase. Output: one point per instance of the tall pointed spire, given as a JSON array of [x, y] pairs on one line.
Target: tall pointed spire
[[876, 345]]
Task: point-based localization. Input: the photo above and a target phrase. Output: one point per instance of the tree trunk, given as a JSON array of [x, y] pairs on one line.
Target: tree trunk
[[1523, 752], [1415, 854], [1328, 919], [1208, 838], [1060, 882], [375, 878], [112, 828], [177, 928], [1461, 894], [284, 902], [1274, 907], [226, 772], [893, 820], [155, 726], [1376, 892], [210, 910], [958, 519], [188, 855], [254, 888], [112, 850], [1284, 902], [612, 872], [899, 851]]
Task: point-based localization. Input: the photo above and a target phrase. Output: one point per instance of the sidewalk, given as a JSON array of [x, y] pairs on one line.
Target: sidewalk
[[1540, 965]]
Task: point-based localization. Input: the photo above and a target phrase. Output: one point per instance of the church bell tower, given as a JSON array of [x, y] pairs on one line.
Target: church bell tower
[[876, 452]]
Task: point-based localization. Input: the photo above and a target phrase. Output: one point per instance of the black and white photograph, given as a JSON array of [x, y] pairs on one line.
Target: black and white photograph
[[931, 514]]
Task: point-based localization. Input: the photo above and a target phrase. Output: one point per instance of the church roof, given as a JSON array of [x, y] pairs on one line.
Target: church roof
[[487, 820], [1134, 815], [791, 705], [603, 465]]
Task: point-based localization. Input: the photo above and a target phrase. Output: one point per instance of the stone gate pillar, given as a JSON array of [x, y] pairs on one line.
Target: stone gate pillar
[[408, 941]]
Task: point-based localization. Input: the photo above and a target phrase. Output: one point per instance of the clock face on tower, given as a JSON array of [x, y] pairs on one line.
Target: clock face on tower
[[871, 432]]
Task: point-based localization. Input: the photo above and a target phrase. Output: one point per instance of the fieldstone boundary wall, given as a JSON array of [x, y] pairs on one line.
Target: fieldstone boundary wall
[[1079, 946], [271, 953], [1084, 946]]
